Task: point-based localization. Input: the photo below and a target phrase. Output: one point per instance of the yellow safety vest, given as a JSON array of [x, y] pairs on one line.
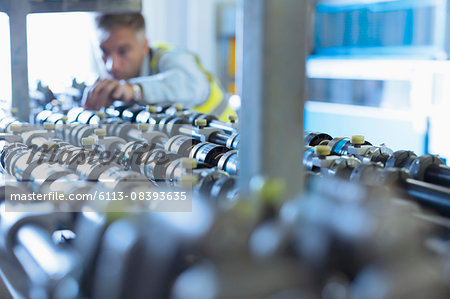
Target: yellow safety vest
[[216, 103]]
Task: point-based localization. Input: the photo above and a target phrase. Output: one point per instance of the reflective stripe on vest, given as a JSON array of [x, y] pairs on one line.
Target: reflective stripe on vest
[[216, 103]]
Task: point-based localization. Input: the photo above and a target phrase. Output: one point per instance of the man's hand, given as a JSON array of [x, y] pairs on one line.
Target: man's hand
[[106, 91]]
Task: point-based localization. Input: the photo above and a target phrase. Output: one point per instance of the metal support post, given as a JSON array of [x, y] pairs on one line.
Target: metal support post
[[272, 44]]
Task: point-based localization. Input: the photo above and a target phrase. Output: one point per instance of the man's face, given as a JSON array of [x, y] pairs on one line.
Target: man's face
[[123, 51]]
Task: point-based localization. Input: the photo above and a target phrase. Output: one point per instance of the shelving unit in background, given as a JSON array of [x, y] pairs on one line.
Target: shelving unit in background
[[382, 27], [379, 69]]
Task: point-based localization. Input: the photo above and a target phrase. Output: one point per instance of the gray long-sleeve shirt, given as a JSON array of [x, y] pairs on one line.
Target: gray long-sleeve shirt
[[179, 80]]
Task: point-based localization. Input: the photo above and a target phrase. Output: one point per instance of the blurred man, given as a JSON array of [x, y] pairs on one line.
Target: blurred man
[[149, 75]]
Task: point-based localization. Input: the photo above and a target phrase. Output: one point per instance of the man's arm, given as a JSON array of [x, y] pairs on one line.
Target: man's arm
[[106, 91], [180, 81]]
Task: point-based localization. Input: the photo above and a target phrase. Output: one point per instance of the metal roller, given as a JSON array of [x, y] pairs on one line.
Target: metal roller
[[313, 138], [209, 153], [428, 168], [181, 145], [156, 164], [427, 195], [229, 162]]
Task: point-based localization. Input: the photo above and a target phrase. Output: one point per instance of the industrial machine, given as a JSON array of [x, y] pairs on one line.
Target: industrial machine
[[140, 159], [164, 202]]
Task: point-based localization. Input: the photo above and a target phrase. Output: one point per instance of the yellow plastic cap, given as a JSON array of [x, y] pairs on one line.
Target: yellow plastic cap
[[323, 150], [14, 111], [178, 107], [100, 132], [358, 139], [64, 119], [88, 141], [189, 163], [48, 145], [49, 126], [201, 122], [151, 108], [102, 115], [232, 117], [143, 127], [268, 190], [188, 181], [16, 128]]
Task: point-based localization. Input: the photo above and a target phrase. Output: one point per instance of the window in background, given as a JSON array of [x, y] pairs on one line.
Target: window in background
[[5, 62], [392, 94], [407, 27], [226, 51], [60, 48], [373, 70], [227, 46]]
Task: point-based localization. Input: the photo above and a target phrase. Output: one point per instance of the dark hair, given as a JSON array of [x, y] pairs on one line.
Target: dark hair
[[109, 22]]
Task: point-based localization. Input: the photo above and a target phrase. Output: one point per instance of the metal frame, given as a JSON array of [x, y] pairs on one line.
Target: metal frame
[[273, 34], [273, 48], [18, 10]]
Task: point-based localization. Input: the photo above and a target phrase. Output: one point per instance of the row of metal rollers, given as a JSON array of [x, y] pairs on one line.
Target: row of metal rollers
[[167, 149], [424, 179]]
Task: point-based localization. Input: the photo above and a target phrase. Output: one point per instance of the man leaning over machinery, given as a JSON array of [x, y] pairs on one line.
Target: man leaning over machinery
[[150, 75]]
